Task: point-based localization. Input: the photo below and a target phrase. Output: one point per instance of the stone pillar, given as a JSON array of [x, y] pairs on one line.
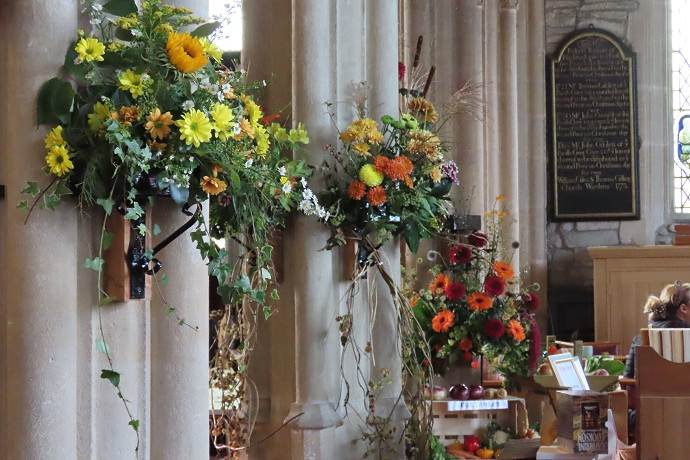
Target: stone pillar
[[507, 126], [38, 261], [316, 341], [179, 355]]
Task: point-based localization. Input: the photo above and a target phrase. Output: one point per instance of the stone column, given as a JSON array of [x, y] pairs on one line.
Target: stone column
[[507, 126], [316, 341], [179, 355], [38, 274]]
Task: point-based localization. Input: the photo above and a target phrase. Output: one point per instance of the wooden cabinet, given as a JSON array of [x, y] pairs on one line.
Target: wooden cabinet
[[624, 276]]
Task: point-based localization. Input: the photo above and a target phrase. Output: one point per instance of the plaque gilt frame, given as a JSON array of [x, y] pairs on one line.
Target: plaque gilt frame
[[582, 204]]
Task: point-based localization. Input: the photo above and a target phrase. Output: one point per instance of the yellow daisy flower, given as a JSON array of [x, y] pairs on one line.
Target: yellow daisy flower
[[54, 137], [222, 117], [186, 52], [158, 124], [251, 109], [362, 148], [299, 134], [90, 49], [132, 82], [100, 113], [195, 127], [211, 49], [58, 160], [246, 126], [262, 141]]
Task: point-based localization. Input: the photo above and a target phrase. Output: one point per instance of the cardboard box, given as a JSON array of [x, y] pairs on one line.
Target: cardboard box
[[582, 417]]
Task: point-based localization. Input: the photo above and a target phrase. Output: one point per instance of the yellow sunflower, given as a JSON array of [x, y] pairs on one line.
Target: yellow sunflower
[[158, 124], [58, 160], [186, 52], [195, 127], [90, 49]]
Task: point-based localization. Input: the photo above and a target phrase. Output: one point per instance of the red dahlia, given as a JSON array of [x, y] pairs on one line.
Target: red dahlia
[[494, 286], [494, 328], [531, 302], [460, 254], [478, 239], [455, 291]]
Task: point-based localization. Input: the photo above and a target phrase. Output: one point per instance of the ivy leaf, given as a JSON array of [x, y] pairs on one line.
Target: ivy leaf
[[94, 264], [134, 424], [164, 279], [102, 347], [142, 229], [31, 189], [182, 322], [134, 212], [61, 189], [205, 30], [225, 293], [23, 205], [267, 312], [113, 376], [274, 294], [107, 240], [265, 274], [51, 201], [169, 311], [156, 229], [107, 204], [120, 7]]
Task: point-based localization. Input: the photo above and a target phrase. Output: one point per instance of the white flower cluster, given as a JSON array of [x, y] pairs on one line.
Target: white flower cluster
[[310, 204]]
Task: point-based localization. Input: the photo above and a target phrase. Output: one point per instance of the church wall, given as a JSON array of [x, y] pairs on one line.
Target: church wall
[[642, 26]]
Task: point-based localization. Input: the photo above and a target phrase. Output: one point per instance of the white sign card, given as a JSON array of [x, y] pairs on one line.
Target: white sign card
[[568, 371]]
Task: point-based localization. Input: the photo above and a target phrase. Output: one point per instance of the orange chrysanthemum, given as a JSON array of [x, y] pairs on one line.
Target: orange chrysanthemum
[[381, 163], [443, 321], [440, 282], [465, 344], [157, 124], [399, 168], [128, 114], [186, 52], [479, 301], [408, 182], [357, 190], [377, 196], [503, 270], [515, 330], [213, 185]]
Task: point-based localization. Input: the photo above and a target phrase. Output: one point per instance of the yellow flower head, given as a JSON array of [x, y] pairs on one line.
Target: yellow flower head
[[222, 117], [362, 148], [299, 134], [195, 127], [157, 124], [96, 118], [262, 141], [90, 49], [58, 160], [211, 49], [425, 143], [132, 82], [54, 137], [436, 175], [370, 176], [278, 132], [213, 185], [186, 52]]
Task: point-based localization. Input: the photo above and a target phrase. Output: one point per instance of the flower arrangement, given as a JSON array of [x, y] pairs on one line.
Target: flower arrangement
[[476, 305], [390, 178], [147, 109]]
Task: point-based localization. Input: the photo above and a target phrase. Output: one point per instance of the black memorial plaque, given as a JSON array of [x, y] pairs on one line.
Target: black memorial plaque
[[593, 129]]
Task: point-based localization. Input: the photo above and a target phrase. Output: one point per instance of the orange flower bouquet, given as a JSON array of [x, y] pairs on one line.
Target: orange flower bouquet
[[476, 306]]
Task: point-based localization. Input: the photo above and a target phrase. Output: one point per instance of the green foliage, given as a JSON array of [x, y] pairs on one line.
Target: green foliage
[[112, 376]]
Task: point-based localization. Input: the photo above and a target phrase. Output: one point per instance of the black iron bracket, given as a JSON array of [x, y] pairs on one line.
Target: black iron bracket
[[142, 263]]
